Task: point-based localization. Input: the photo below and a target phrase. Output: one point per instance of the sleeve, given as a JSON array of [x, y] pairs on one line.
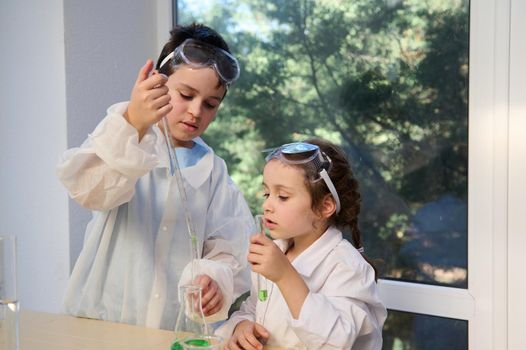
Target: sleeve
[[101, 174], [247, 311], [345, 305], [229, 225]]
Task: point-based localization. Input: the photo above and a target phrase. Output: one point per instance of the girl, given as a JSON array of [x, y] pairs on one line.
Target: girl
[[136, 249], [322, 291]]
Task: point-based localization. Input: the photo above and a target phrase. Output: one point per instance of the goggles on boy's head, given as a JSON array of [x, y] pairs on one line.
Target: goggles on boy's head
[[200, 55], [315, 162]]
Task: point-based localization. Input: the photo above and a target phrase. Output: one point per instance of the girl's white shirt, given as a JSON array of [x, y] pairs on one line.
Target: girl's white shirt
[[342, 310], [136, 248]]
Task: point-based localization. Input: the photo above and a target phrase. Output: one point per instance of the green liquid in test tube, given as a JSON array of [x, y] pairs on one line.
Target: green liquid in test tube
[[262, 281]]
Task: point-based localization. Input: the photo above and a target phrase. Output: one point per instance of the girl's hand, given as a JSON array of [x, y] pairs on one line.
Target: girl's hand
[[267, 259], [149, 100], [247, 336], [211, 295]]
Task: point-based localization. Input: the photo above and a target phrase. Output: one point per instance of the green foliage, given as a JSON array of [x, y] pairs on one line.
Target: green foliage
[[387, 80]]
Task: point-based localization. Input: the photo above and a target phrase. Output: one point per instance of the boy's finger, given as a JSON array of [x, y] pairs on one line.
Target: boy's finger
[[144, 72]]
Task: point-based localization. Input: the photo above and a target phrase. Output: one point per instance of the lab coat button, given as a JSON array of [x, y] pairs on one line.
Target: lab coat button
[[165, 228], [157, 296]]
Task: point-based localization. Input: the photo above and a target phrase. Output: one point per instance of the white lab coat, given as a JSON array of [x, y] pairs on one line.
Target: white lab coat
[[136, 250], [342, 310]]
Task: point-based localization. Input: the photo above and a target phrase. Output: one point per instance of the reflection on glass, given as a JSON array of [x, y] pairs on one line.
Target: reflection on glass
[[408, 331], [387, 80]]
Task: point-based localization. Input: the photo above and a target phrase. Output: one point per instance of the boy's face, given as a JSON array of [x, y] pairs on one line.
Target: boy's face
[[287, 206], [195, 97]]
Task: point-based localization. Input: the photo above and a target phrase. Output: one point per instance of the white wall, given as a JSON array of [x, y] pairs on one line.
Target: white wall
[[32, 134], [62, 64], [106, 42]]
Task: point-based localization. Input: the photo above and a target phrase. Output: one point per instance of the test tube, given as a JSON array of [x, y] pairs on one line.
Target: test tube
[[262, 281]]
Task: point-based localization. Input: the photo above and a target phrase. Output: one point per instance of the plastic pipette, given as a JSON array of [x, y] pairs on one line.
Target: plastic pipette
[[175, 170]]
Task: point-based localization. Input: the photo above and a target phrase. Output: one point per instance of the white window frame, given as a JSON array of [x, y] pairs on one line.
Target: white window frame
[[485, 303]]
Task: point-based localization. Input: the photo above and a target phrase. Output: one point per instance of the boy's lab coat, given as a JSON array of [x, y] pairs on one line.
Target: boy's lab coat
[[342, 309], [136, 250]]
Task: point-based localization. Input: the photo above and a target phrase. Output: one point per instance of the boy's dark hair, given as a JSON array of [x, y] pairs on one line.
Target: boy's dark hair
[[194, 31], [347, 188]]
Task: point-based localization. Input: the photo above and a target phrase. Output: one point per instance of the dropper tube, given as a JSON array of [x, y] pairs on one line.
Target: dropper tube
[[175, 170]]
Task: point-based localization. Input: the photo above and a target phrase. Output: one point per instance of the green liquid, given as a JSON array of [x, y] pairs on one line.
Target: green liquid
[[176, 346], [198, 342], [262, 294], [193, 342]]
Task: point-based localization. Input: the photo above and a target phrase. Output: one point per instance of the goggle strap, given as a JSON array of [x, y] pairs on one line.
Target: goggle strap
[[166, 59], [325, 176]]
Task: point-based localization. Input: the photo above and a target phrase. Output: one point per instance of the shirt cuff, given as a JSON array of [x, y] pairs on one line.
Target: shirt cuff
[[223, 276], [116, 142]]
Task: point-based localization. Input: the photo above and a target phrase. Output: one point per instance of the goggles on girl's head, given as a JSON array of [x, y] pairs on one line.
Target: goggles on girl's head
[[315, 162], [200, 55]]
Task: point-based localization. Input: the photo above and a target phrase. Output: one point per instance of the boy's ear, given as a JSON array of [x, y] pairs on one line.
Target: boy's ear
[[328, 206]]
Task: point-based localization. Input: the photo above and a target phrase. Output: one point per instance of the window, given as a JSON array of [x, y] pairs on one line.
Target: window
[[388, 81]]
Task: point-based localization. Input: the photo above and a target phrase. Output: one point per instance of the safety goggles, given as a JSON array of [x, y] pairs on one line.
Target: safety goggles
[[202, 55], [315, 162]]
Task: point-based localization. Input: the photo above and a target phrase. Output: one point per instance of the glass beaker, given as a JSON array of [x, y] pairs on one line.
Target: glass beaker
[[190, 318], [8, 294]]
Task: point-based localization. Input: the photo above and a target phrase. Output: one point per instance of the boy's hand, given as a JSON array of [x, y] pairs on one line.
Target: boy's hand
[[267, 259], [211, 295], [248, 336], [149, 100]]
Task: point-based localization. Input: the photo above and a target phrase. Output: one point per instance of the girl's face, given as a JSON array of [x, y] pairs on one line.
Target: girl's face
[[287, 206], [195, 97]]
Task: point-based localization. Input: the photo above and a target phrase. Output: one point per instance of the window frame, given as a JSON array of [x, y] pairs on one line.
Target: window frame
[[484, 304]]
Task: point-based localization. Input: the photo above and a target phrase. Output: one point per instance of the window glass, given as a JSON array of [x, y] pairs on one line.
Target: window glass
[[408, 331], [387, 80]]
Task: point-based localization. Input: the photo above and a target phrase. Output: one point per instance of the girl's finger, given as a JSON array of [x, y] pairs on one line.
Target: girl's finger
[[232, 344], [261, 239], [252, 340], [245, 344], [259, 330]]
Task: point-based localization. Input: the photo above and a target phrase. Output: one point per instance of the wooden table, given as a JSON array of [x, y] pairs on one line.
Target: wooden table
[[44, 331]]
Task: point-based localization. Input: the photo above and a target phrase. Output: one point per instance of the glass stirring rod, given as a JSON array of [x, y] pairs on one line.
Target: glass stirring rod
[[262, 281]]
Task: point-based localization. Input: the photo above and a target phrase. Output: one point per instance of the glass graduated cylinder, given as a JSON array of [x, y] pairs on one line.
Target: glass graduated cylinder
[[8, 325], [8, 294]]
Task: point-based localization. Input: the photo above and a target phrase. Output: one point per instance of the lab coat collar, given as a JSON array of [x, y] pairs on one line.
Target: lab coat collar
[[310, 258], [196, 174]]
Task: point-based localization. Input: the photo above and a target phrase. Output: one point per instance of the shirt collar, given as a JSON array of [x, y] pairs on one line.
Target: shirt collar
[[196, 174], [310, 258]]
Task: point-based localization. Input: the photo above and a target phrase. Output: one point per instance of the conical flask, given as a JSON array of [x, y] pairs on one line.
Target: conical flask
[[190, 319]]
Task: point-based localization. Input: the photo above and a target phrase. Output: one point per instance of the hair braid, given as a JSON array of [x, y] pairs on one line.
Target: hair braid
[[347, 188]]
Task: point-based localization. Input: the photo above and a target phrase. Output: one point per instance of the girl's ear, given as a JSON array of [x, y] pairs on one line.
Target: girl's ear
[[328, 206]]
